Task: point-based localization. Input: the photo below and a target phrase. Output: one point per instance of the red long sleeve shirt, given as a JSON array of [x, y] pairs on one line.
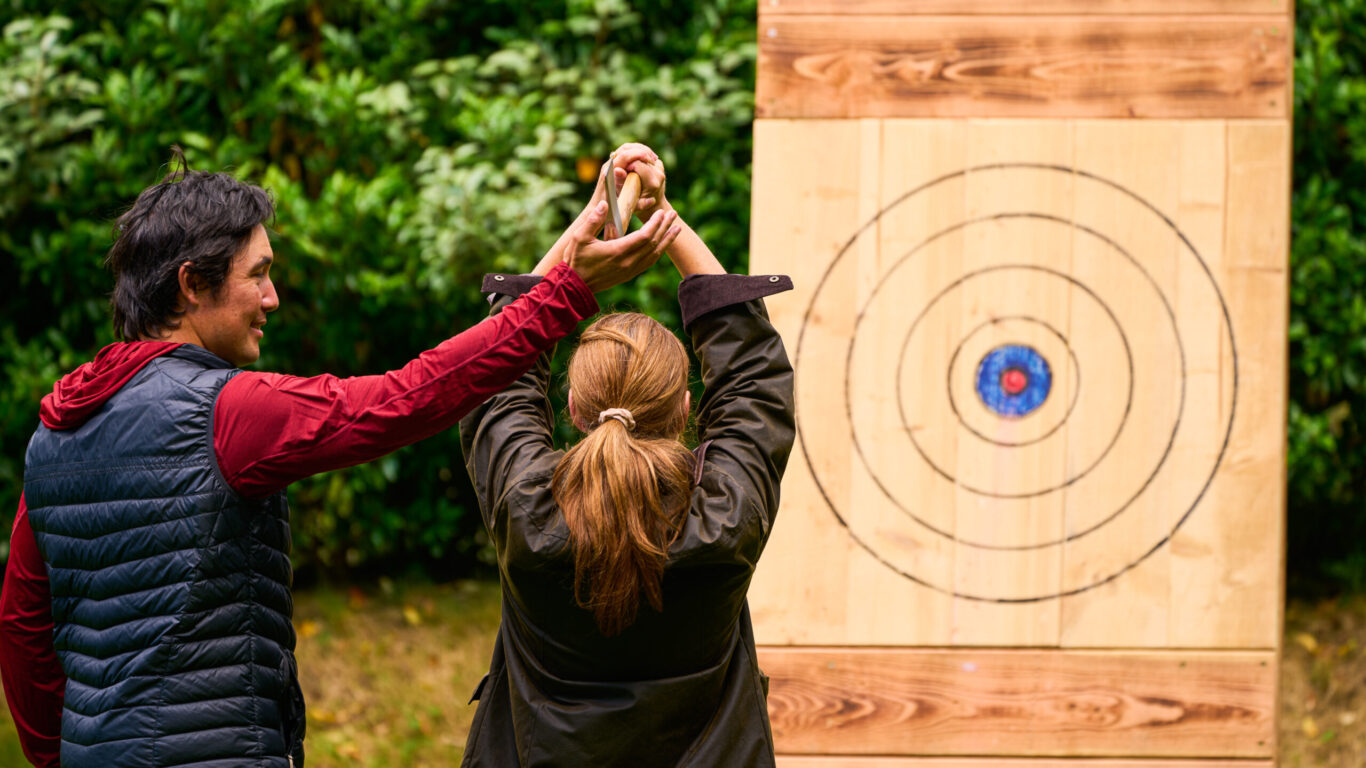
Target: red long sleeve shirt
[[270, 430]]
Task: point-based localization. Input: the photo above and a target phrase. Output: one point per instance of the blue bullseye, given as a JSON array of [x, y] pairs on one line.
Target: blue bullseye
[[1013, 380]]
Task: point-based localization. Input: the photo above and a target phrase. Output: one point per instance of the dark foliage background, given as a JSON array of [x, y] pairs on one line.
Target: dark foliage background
[[414, 144], [411, 145], [1327, 429]]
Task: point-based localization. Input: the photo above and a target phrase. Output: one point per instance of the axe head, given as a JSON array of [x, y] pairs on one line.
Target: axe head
[[612, 196]]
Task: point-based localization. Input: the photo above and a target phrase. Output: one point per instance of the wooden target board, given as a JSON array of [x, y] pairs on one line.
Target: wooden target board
[[1034, 516]]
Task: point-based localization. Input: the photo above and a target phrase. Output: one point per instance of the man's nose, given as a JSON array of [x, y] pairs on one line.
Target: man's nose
[[270, 301]]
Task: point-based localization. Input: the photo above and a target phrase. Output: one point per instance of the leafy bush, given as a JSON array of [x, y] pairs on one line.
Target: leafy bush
[[414, 144], [1327, 431], [411, 145]]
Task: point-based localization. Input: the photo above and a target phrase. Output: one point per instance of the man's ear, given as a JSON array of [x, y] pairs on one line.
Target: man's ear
[[189, 286]]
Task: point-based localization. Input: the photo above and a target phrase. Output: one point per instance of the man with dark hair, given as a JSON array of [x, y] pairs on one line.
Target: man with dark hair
[[146, 614]]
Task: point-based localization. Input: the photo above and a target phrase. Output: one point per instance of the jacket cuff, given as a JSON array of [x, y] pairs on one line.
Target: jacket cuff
[[700, 294], [501, 285]]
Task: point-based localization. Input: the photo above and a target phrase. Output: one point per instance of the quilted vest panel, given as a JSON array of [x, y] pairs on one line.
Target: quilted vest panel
[[170, 593]]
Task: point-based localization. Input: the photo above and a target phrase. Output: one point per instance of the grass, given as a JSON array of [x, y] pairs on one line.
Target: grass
[[388, 671], [388, 674], [1323, 685]]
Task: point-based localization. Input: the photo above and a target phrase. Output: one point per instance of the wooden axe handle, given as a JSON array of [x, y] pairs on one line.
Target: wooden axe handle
[[626, 201]]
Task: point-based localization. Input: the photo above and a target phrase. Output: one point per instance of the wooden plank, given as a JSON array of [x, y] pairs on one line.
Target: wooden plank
[[1259, 184], [823, 761], [1239, 591], [992, 476], [1021, 703], [1019, 66], [807, 208], [1132, 270], [1258, 249], [1201, 559], [1039, 7], [881, 602]]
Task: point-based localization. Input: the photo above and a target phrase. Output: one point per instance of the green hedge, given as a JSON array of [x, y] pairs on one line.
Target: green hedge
[[411, 145], [414, 144], [1327, 438]]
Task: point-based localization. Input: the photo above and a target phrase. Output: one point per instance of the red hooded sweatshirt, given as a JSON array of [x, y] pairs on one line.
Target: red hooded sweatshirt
[[270, 430]]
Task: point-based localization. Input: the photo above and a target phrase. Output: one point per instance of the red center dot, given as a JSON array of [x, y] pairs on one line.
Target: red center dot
[[1014, 381]]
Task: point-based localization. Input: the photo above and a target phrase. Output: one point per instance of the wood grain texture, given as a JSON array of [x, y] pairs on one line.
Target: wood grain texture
[[876, 547], [1018, 66], [983, 467], [1132, 611], [1256, 273], [1041, 7], [808, 209], [1021, 703], [866, 604], [824, 761]]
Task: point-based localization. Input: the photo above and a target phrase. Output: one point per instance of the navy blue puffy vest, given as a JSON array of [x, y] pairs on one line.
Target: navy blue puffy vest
[[170, 593]]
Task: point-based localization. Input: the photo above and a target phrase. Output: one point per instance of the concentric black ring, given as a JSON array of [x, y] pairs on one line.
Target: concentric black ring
[[858, 447], [1171, 315], [953, 360], [1228, 329]]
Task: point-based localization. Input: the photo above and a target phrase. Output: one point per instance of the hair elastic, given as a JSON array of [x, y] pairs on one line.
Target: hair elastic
[[620, 414]]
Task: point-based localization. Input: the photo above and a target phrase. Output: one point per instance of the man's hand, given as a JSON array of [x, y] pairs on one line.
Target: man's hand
[[605, 263], [626, 155]]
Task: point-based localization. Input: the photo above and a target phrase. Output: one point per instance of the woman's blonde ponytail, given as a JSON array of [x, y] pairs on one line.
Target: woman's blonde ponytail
[[624, 488]]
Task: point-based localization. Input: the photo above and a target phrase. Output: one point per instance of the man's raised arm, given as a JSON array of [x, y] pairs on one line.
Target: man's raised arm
[[273, 429]]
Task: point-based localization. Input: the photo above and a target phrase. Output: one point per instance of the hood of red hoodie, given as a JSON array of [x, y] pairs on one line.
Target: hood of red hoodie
[[76, 396]]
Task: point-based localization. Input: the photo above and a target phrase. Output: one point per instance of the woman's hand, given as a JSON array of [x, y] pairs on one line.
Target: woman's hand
[[626, 158], [652, 178], [641, 160]]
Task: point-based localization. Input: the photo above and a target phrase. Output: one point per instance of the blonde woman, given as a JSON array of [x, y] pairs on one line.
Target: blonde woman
[[626, 637]]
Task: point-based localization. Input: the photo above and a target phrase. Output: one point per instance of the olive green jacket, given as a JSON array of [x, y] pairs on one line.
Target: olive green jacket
[[681, 686]]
